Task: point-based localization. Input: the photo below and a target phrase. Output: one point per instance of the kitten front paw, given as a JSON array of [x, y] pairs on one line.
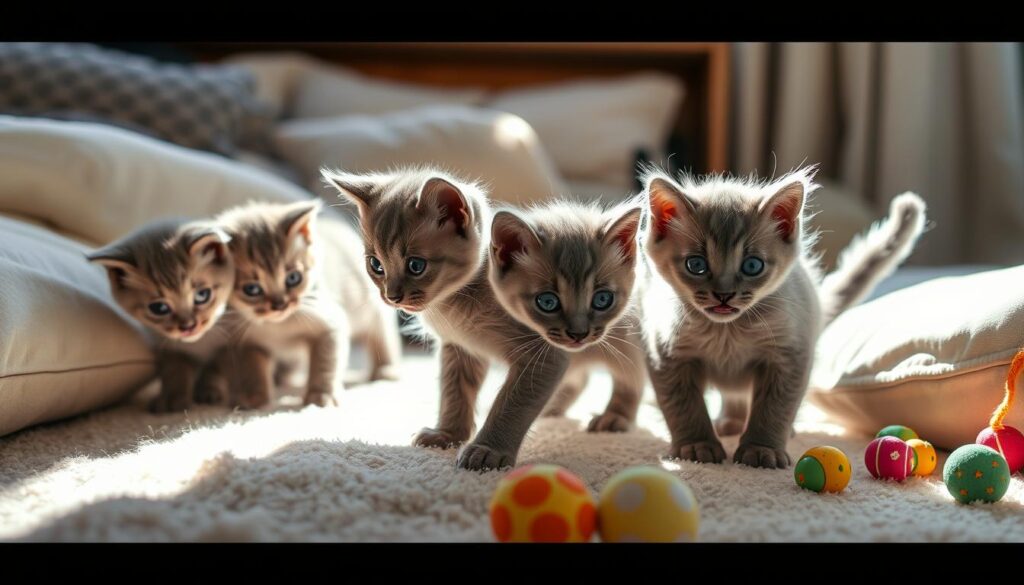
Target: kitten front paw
[[319, 398], [437, 439], [609, 422], [170, 402], [251, 400], [209, 394], [389, 373], [728, 427], [761, 456], [477, 457], [700, 451]]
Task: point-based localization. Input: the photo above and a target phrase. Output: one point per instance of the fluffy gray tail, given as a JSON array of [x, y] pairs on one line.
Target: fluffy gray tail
[[873, 256]]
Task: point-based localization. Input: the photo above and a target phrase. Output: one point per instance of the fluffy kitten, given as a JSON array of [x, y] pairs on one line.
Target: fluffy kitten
[[567, 271], [174, 277], [733, 300], [425, 236], [298, 291]]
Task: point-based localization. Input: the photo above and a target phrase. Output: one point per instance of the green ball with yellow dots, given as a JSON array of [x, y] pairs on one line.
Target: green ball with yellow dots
[[976, 472], [899, 431]]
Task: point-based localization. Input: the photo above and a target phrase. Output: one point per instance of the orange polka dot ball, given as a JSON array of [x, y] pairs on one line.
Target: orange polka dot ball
[[647, 504], [542, 503], [924, 457]]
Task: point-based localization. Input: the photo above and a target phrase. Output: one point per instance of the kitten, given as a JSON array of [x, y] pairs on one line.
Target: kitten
[[298, 292], [567, 271], [175, 278], [731, 296], [425, 236]]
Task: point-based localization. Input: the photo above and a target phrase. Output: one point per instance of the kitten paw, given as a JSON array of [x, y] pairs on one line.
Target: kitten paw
[[476, 457], [321, 399], [209, 394], [761, 456], [727, 427], [389, 373], [436, 439], [609, 422], [251, 400], [169, 402], [701, 452]]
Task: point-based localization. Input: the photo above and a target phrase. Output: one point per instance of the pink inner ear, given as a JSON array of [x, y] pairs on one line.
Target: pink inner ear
[[216, 249], [662, 212], [785, 214], [507, 244], [453, 208], [625, 238]]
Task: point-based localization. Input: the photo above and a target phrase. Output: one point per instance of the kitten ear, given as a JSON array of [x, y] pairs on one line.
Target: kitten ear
[[119, 263], [299, 217], [510, 235], [784, 208], [207, 243], [621, 232], [358, 189], [667, 202], [449, 201]]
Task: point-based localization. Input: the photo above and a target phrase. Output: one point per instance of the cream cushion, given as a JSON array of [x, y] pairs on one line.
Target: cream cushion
[[497, 148], [99, 182], [65, 347], [932, 357], [593, 128]]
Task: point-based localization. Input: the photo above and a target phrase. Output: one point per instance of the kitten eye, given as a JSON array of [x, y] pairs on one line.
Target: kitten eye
[[416, 265], [375, 264], [602, 299], [293, 279], [697, 264], [159, 308], [548, 302], [202, 296], [252, 290], [752, 266]]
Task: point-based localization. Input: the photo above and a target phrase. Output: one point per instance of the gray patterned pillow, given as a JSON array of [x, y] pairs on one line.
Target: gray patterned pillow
[[208, 107]]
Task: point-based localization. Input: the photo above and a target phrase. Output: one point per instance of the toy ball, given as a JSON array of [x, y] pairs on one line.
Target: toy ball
[[924, 457], [898, 431], [889, 458], [823, 469], [542, 503], [976, 472], [647, 504], [1008, 441]]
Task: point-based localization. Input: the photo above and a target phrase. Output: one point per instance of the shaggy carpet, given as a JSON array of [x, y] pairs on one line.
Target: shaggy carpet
[[288, 473]]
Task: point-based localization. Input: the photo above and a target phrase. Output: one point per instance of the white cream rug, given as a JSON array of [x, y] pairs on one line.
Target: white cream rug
[[349, 474]]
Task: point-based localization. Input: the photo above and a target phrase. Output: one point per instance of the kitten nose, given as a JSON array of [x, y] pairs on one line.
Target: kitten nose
[[277, 303], [396, 297], [577, 335], [724, 297], [185, 326]]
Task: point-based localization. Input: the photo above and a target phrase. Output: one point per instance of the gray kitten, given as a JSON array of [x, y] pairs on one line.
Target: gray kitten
[[731, 296], [174, 277], [425, 237], [567, 271], [298, 295]]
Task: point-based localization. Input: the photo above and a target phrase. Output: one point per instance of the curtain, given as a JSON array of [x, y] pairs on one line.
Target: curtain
[[945, 120]]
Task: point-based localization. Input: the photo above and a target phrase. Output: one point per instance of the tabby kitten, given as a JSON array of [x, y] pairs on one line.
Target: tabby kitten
[[175, 278], [426, 239], [566, 270], [731, 296], [296, 290]]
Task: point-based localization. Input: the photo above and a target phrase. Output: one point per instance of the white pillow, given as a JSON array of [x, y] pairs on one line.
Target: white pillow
[[99, 182], [498, 148], [932, 357], [65, 347], [593, 128]]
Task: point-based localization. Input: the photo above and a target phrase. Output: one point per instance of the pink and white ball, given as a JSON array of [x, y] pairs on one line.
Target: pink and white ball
[[889, 458], [1008, 441]]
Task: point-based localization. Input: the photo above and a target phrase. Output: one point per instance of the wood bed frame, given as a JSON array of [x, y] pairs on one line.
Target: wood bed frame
[[703, 67]]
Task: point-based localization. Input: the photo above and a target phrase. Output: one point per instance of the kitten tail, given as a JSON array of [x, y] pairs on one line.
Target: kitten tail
[[873, 256]]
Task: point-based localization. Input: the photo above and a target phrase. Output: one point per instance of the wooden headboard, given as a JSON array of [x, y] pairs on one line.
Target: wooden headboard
[[703, 68]]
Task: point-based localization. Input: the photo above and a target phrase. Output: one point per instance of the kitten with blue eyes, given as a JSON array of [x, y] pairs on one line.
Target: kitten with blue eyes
[[425, 235], [731, 296], [174, 277], [299, 295]]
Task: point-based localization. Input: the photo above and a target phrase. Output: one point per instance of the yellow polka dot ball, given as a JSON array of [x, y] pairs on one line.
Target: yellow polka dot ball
[[542, 503], [647, 504], [924, 457]]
